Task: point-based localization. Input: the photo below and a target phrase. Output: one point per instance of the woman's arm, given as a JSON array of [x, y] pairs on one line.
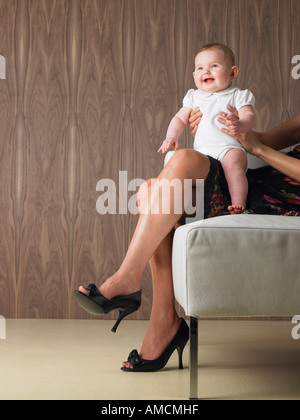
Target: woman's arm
[[285, 164], [284, 135], [263, 145], [280, 137]]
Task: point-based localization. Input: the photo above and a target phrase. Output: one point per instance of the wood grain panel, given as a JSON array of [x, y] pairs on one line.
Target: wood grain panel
[[19, 181], [292, 26], [8, 112], [263, 31], [91, 87], [72, 161], [99, 244], [43, 90]]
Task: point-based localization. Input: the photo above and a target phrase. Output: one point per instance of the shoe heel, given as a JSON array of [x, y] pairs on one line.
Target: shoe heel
[[180, 353], [127, 307], [122, 314]]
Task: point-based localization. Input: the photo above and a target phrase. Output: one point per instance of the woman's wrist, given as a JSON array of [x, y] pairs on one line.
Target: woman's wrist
[[263, 137], [259, 143], [260, 150]]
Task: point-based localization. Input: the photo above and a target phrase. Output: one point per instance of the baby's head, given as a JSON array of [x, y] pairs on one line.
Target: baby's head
[[215, 68]]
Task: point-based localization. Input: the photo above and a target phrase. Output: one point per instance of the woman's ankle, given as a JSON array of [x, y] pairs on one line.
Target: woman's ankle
[[119, 285]]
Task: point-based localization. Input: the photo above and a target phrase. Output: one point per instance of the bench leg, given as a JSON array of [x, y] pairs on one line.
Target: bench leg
[[193, 358]]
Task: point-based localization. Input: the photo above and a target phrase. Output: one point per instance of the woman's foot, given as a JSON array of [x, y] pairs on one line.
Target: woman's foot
[[116, 286], [158, 336], [236, 209]]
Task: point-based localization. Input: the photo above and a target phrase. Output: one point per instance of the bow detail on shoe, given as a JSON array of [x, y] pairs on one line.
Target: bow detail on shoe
[[134, 358], [178, 342], [93, 289]]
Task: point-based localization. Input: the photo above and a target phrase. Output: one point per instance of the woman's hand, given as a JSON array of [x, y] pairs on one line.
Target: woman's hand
[[255, 144], [250, 141], [194, 120]]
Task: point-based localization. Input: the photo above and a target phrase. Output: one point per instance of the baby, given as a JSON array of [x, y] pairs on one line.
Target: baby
[[214, 73]]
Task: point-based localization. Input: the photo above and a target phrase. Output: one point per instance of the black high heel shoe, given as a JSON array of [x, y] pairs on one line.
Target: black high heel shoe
[[178, 342], [96, 304]]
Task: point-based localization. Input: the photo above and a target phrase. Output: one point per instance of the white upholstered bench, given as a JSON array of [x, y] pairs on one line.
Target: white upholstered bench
[[236, 266]]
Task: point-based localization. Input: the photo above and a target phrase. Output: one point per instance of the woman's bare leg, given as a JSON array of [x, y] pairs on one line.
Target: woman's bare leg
[[164, 321], [152, 229]]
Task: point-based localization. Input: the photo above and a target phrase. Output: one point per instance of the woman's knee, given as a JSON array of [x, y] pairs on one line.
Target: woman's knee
[[143, 195], [187, 159], [181, 154]]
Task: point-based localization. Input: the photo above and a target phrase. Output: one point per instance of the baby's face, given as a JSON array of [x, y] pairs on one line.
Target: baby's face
[[213, 71]]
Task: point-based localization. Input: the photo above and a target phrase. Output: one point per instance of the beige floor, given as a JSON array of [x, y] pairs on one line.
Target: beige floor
[[64, 359]]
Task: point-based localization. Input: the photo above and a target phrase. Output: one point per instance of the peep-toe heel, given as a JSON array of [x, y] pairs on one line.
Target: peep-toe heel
[[96, 304], [178, 342]]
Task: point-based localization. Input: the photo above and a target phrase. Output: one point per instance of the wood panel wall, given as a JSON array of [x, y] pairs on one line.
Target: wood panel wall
[[90, 88]]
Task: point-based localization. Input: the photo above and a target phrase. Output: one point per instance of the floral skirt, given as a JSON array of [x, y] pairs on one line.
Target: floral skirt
[[270, 191]]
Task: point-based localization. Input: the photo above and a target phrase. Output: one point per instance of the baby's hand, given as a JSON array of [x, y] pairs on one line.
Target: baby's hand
[[169, 142], [231, 121]]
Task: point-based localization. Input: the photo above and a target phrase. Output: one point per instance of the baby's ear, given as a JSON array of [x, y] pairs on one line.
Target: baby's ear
[[234, 72]]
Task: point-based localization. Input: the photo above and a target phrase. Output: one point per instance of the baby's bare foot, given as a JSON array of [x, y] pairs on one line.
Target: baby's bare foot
[[236, 209]]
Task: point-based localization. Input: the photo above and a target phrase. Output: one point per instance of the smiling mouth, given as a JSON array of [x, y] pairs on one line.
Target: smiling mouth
[[208, 80]]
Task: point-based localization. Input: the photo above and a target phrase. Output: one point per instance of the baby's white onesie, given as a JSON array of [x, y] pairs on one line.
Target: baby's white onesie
[[209, 139]]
